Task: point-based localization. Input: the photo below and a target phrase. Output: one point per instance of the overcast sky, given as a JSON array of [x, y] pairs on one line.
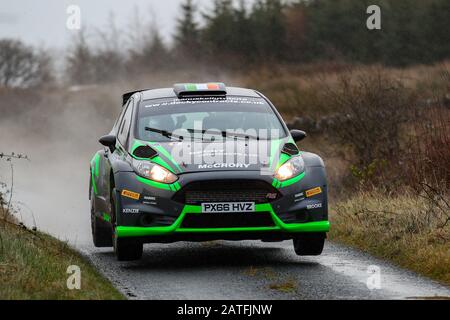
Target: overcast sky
[[43, 22]]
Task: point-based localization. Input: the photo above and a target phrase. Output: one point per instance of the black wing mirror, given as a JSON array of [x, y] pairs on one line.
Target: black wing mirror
[[108, 141], [298, 135]]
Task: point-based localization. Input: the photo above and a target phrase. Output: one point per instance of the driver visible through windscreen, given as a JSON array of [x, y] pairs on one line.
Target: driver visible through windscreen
[[162, 120]]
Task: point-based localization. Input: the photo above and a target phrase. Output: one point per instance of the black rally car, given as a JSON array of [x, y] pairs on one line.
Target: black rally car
[[201, 162]]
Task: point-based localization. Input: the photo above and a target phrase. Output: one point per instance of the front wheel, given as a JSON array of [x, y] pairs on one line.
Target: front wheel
[[127, 249], [101, 231], [309, 244]]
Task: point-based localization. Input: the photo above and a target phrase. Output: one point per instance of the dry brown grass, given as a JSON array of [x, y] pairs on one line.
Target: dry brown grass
[[299, 90], [405, 229]]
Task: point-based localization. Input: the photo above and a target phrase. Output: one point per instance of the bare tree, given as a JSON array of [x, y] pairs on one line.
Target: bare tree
[[109, 55], [147, 52], [22, 66], [80, 61]]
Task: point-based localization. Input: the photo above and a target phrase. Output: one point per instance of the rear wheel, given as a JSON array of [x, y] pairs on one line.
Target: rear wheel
[[101, 232], [125, 249], [309, 244]]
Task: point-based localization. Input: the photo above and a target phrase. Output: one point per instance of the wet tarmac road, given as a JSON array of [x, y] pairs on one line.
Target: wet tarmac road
[[255, 270]]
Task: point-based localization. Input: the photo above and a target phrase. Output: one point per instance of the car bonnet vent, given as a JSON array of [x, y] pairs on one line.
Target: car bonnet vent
[[290, 149], [146, 152]]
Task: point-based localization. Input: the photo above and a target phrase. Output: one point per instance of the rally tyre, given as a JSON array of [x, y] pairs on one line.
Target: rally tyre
[[309, 244], [127, 250], [101, 232]]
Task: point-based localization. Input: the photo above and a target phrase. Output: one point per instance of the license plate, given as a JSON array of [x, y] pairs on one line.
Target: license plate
[[228, 207]]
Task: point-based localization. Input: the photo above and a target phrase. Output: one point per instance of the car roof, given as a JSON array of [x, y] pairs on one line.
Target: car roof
[[170, 93]]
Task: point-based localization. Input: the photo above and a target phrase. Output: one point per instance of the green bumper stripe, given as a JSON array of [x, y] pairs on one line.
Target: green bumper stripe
[[123, 232], [320, 226]]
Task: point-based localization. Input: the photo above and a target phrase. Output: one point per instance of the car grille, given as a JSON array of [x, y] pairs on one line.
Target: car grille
[[256, 191], [228, 220]]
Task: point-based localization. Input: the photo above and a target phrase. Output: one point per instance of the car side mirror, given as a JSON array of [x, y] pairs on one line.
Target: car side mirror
[[298, 135], [108, 141]]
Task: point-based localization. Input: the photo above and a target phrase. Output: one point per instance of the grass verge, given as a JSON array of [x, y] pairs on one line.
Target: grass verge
[[33, 265], [405, 229]]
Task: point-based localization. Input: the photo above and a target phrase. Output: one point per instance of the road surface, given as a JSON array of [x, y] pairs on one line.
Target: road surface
[[256, 270]]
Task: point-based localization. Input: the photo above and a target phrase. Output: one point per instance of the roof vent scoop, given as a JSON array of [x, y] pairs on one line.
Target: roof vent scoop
[[290, 149], [145, 152], [186, 90]]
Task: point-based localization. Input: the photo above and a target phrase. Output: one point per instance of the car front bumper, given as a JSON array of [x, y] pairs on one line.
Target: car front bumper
[[292, 212]]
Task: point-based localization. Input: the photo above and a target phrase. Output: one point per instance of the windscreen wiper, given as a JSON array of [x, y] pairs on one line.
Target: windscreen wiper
[[165, 133], [224, 134]]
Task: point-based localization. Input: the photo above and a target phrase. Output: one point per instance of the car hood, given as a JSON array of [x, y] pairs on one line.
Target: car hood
[[186, 157]]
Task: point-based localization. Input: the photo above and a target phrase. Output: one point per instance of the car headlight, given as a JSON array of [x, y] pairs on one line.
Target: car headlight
[[153, 172], [290, 169]]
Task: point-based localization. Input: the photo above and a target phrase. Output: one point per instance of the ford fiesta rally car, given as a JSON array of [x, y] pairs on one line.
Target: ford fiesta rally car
[[196, 163]]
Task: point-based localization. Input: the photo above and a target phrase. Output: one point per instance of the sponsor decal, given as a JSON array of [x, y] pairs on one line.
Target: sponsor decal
[[312, 192], [148, 200], [223, 165], [299, 197], [131, 194], [314, 206], [128, 210], [271, 196]]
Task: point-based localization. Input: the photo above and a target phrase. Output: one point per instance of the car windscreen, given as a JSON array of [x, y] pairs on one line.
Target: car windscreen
[[252, 117]]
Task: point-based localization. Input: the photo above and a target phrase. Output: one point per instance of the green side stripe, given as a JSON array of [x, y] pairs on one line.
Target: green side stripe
[[93, 182], [97, 164]]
